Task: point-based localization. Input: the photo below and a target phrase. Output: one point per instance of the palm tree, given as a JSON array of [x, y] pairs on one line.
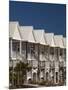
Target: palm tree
[[20, 70]]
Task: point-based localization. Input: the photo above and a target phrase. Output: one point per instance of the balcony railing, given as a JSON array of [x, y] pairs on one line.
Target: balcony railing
[[52, 57], [34, 63], [15, 55], [61, 58]]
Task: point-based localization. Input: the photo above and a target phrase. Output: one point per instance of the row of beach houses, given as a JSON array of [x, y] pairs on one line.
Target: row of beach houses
[[44, 51]]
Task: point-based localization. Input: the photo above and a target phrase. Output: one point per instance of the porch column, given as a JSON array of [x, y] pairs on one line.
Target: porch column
[[54, 77], [11, 48], [59, 63], [38, 62], [26, 50], [49, 63], [54, 66], [20, 47], [57, 78], [63, 66], [12, 73], [36, 77], [56, 74], [63, 58], [45, 72]]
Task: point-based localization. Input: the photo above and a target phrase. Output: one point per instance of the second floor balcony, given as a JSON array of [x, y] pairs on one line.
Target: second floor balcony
[[33, 63]]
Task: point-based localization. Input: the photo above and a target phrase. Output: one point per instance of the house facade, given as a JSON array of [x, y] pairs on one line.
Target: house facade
[[44, 52]]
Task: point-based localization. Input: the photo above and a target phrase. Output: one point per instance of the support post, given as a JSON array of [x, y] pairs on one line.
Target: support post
[[20, 47], [11, 47], [38, 64]]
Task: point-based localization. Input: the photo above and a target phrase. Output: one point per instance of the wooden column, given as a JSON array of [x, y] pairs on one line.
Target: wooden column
[[63, 66], [12, 73], [38, 65], [59, 63], [58, 67], [12, 62], [26, 51], [20, 47], [54, 67], [10, 47], [48, 62]]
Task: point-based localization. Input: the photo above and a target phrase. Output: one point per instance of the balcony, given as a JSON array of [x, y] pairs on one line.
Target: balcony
[[41, 74], [42, 65], [43, 57], [28, 56], [34, 63], [52, 57], [15, 55], [61, 58], [31, 56]]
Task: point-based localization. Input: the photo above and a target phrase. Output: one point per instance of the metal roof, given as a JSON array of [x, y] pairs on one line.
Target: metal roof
[[39, 36], [26, 33], [59, 41], [13, 31], [50, 39], [64, 41]]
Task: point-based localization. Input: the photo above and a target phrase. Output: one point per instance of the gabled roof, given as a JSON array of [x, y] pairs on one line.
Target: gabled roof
[[59, 41], [50, 39], [39, 36], [26, 33], [13, 31], [64, 41]]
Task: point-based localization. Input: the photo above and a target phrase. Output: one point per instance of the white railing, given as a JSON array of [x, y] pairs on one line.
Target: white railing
[[61, 58], [52, 58], [47, 66], [28, 56], [43, 57], [31, 56], [16, 55], [29, 75], [23, 54], [34, 63], [41, 74]]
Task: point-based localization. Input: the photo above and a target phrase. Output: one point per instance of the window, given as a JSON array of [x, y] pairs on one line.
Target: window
[[65, 54], [65, 51], [51, 50], [32, 49], [34, 77], [61, 52], [30, 80], [46, 50], [56, 77], [42, 49], [30, 62], [47, 76], [56, 51], [36, 51], [15, 46], [24, 48]]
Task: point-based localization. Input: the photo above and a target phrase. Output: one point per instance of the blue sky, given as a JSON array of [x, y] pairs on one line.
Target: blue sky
[[50, 17]]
